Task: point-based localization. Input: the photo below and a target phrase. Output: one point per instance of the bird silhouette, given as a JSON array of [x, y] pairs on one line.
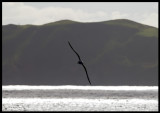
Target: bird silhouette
[[80, 62]]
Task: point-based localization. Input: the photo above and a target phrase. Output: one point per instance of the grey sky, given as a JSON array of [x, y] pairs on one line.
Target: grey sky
[[130, 7], [45, 12]]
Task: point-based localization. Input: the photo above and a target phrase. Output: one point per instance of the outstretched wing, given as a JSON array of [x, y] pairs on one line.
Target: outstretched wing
[[74, 51], [80, 60], [86, 73]]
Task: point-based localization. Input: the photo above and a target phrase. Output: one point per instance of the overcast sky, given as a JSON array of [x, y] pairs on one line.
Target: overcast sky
[[39, 13]]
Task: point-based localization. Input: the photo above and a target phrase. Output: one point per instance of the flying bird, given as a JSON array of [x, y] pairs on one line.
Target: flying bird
[[80, 62]]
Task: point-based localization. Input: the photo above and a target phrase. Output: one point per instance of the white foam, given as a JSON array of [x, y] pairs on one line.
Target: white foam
[[68, 104], [26, 87], [79, 100]]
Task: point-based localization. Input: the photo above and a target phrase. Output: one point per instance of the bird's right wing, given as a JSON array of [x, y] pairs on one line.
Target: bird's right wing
[[74, 51], [86, 73]]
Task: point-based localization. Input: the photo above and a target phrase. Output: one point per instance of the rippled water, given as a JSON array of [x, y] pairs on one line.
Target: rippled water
[[79, 98]]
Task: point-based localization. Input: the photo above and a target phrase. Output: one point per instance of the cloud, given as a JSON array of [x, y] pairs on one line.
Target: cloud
[[17, 13], [22, 14], [155, 6], [150, 19], [118, 15]]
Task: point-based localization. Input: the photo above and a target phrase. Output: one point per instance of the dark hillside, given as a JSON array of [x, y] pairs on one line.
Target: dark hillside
[[117, 52]]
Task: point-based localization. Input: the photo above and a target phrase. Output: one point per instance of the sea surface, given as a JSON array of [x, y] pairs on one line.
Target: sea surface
[[79, 98]]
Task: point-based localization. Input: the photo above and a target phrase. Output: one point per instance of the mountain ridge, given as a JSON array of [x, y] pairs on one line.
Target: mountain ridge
[[68, 21]]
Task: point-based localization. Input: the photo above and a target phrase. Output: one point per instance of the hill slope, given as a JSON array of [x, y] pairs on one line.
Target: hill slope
[[116, 52]]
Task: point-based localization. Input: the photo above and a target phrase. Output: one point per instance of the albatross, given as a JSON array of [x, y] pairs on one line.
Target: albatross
[[80, 62]]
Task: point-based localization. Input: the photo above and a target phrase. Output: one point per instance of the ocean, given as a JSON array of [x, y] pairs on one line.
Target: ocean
[[79, 98]]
